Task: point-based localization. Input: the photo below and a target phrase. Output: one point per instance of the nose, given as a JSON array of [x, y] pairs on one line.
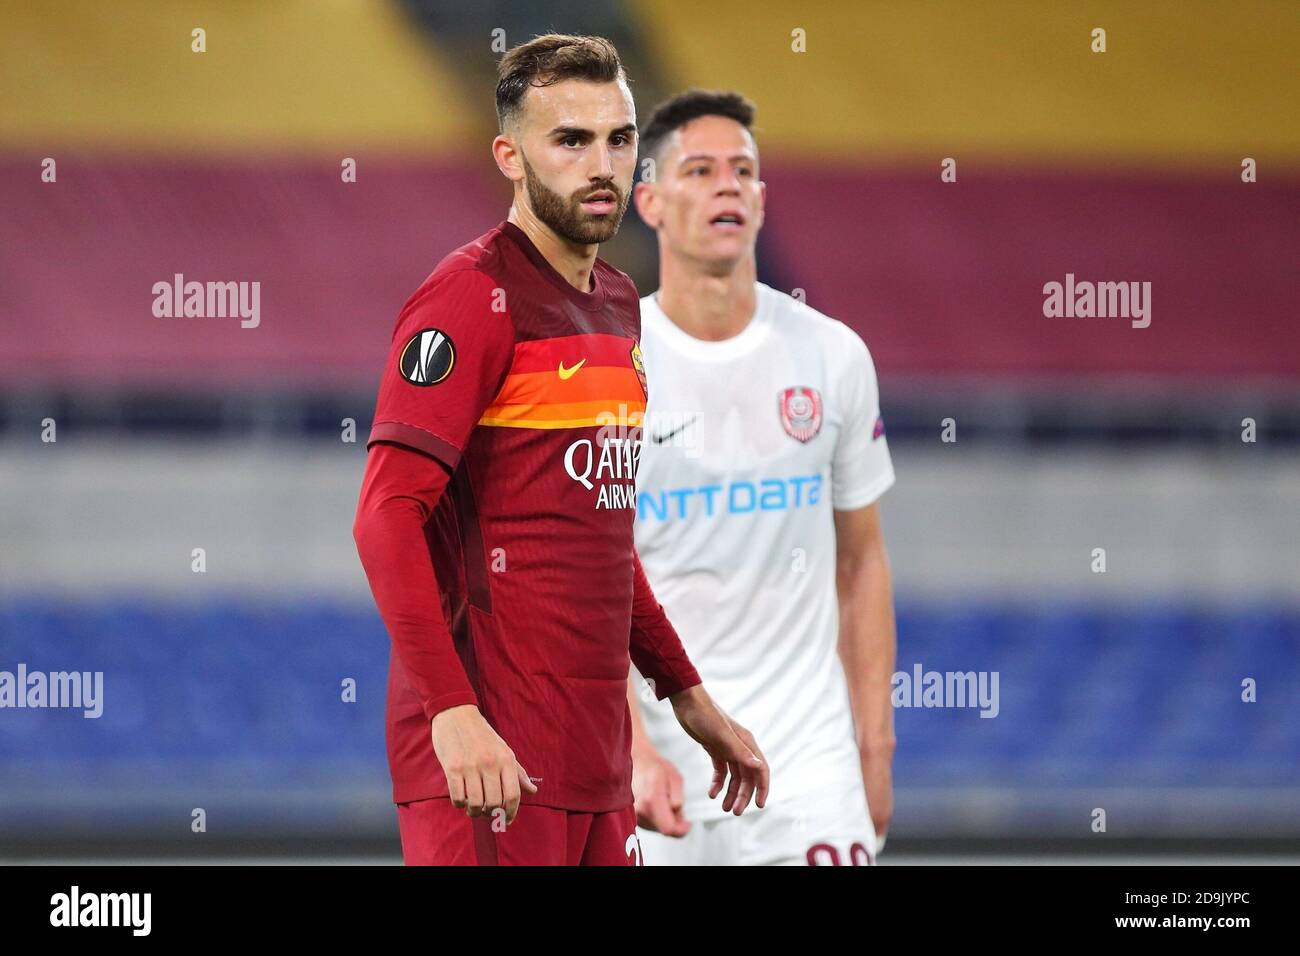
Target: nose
[[728, 182], [603, 171]]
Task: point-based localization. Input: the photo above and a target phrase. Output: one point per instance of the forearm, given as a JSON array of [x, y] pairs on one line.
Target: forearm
[[397, 495], [635, 686], [868, 649], [653, 644], [687, 697]]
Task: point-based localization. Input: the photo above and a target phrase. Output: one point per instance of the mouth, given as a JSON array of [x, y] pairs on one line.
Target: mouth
[[729, 220], [600, 203]]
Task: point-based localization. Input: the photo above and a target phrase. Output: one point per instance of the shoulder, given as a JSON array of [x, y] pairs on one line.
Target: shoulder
[[462, 298], [454, 293], [487, 254], [835, 337], [845, 356], [468, 271], [464, 287], [618, 284]]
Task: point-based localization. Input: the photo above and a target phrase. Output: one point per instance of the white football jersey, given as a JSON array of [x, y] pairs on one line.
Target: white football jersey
[[748, 445]]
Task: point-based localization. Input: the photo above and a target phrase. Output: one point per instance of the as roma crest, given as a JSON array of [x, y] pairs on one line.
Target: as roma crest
[[640, 368], [801, 412]]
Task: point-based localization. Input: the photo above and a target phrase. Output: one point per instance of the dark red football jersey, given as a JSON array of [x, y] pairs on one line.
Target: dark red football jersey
[[531, 393]]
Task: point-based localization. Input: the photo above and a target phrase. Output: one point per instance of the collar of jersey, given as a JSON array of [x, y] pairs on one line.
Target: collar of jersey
[[591, 301], [744, 341]]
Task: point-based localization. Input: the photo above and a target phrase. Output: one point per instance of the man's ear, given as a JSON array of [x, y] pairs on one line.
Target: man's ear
[[762, 203], [647, 203], [508, 158]]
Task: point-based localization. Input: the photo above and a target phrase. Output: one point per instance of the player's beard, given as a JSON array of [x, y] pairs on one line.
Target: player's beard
[[566, 218]]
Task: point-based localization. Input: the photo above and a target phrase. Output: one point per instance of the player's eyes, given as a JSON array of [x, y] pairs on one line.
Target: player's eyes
[[744, 171], [571, 141], [622, 139]]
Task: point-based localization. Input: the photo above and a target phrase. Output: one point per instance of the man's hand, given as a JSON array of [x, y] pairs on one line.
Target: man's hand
[[731, 747], [482, 772], [657, 793]]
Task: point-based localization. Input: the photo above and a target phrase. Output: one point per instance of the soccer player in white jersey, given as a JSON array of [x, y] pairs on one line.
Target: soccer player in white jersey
[[763, 458]]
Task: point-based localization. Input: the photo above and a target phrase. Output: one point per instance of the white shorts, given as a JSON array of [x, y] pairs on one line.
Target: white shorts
[[830, 829]]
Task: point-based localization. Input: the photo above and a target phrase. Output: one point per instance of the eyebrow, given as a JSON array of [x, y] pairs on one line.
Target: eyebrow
[[579, 131], [744, 157]]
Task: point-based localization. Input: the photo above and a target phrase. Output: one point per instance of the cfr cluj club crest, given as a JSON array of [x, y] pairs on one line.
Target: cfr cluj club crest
[[640, 368], [801, 412]]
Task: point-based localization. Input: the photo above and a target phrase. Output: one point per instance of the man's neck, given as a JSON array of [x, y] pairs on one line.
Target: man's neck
[[705, 306], [572, 261]]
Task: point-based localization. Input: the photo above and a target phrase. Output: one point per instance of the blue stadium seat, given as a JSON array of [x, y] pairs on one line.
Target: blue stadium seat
[[197, 692]]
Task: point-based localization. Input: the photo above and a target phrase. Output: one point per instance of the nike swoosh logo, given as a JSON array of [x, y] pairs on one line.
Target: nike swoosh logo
[[566, 373], [660, 439]]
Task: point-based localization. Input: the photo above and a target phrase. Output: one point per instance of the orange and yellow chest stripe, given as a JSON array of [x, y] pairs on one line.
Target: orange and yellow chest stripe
[[570, 382]]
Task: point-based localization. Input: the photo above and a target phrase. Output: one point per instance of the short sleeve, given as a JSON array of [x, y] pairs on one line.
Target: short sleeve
[[450, 353], [861, 470]]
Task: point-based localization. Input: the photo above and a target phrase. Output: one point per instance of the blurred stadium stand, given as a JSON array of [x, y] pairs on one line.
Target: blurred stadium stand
[[223, 690]]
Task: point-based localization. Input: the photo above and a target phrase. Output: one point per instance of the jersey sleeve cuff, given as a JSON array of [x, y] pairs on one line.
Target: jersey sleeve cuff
[[413, 436], [852, 500], [675, 683], [436, 705]]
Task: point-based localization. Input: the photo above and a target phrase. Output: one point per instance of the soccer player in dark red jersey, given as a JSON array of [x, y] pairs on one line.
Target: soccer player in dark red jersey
[[496, 512]]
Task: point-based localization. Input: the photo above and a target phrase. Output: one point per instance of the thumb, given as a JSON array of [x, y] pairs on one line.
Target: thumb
[[524, 781]]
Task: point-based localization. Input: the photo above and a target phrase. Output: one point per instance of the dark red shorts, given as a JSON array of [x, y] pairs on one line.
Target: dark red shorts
[[435, 833]]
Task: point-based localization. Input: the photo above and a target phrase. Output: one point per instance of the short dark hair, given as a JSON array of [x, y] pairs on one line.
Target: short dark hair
[[673, 114], [549, 59]]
